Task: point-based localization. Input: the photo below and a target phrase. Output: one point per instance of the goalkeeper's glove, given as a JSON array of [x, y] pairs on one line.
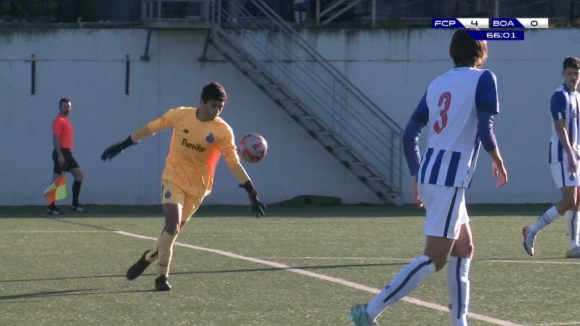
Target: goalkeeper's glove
[[258, 207], [116, 149]]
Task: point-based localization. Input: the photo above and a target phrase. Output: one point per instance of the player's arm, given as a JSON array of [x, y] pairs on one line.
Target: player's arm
[[56, 133], [560, 126], [487, 104], [228, 150], [559, 114], [164, 122], [416, 123]]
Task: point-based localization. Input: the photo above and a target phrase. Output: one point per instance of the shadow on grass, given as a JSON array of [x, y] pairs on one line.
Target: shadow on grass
[[246, 270], [63, 279], [65, 293], [275, 269], [276, 211], [42, 294]]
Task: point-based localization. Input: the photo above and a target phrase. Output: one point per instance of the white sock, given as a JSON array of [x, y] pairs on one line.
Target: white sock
[[572, 226], [546, 219], [404, 282], [458, 289]]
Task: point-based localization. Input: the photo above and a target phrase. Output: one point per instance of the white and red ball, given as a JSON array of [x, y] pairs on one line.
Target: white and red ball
[[252, 148]]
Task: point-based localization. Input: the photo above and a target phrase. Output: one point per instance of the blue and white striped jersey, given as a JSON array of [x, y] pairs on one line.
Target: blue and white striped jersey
[[450, 110], [564, 106]]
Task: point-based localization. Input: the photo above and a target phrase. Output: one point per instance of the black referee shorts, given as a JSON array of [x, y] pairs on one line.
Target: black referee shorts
[[69, 161]]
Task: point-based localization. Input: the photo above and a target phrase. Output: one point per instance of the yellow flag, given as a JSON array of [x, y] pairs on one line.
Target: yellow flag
[[56, 190]]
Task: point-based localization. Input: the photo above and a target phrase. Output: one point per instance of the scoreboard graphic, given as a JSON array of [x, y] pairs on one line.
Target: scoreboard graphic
[[492, 29]]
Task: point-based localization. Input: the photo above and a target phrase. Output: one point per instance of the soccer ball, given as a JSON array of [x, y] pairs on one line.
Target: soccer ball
[[252, 148]]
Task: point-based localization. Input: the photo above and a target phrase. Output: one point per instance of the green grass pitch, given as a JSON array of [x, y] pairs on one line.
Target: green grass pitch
[[70, 270]]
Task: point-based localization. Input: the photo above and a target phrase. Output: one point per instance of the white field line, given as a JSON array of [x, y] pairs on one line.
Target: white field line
[[574, 262], [340, 258], [55, 231], [558, 324], [336, 280]]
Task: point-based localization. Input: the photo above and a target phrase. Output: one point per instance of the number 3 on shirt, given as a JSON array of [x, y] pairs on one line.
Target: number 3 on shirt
[[443, 106]]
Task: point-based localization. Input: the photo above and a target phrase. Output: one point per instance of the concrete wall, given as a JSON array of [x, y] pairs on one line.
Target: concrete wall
[[395, 67], [392, 67]]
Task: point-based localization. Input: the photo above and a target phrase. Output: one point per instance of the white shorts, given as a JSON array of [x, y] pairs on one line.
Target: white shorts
[[445, 208], [562, 177]]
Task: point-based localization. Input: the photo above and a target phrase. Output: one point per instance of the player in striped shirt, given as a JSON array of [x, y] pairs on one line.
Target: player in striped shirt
[[458, 109], [563, 159]]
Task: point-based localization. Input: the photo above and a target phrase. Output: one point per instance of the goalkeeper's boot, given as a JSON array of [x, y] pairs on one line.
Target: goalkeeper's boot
[[162, 283], [138, 268], [573, 253], [358, 316], [529, 240]]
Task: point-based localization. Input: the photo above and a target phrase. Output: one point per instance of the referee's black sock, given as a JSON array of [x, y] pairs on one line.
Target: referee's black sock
[[76, 189], [51, 206]]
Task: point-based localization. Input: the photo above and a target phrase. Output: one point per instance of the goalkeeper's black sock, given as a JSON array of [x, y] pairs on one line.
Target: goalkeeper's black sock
[[76, 189], [52, 206]]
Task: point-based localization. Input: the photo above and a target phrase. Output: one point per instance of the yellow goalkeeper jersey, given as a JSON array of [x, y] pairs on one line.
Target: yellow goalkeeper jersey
[[195, 149]]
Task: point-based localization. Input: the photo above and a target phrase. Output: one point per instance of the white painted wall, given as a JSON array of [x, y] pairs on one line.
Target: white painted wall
[[392, 67], [395, 67], [88, 66]]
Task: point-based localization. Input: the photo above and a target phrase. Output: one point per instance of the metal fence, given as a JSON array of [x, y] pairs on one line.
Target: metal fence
[[476, 8], [364, 13]]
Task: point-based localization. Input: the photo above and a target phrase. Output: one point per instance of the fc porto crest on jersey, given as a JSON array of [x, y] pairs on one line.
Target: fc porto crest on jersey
[[210, 138], [168, 193]]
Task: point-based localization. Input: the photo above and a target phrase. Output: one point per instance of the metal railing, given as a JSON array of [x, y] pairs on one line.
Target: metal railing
[[561, 9], [326, 11], [326, 91], [163, 10], [379, 13]]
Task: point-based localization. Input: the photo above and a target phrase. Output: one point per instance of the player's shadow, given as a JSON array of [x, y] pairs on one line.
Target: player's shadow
[[79, 292], [62, 278], [249, 270], [276, 269], [42, 294]]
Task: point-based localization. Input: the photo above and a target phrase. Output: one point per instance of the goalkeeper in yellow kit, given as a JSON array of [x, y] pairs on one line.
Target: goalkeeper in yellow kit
[[199, 136]]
